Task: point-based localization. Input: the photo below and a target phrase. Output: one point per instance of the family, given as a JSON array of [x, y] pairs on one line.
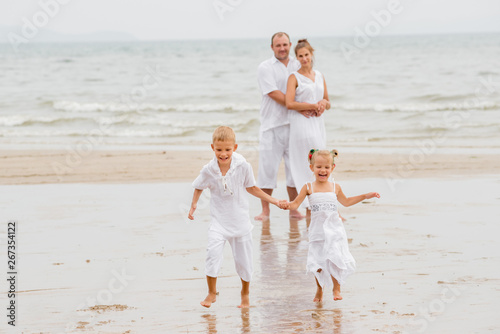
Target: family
[[294, 98]]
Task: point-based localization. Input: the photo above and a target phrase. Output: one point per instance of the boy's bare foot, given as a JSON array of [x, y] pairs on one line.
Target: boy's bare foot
[[295, 214], [211, 297], [336, 293], [318, 298], [245, 301], [263, 216]]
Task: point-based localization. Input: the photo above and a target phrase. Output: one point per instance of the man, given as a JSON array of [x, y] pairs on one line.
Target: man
[[273, 75]]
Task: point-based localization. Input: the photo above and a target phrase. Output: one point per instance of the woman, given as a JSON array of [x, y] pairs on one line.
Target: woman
[[307, 99]]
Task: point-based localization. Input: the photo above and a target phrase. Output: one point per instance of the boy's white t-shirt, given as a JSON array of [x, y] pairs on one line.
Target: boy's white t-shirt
[[229, 198]]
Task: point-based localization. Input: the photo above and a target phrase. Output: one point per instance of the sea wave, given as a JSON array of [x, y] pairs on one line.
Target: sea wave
[[117, 107], [442, 98], [128, 120], [416, 107], [23, 120], [127, 132], [144, 108]]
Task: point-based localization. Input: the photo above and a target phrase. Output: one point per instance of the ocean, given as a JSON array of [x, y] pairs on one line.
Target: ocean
[[392, 95]]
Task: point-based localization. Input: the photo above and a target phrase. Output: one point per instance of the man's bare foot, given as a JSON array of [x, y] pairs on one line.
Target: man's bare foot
[[318, 298], [336, 293], [342, 218], [263, 216], [295, 214], [211, 297], [245, 301]]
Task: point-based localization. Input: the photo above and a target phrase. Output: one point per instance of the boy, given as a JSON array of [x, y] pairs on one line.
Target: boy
[[227, 176]]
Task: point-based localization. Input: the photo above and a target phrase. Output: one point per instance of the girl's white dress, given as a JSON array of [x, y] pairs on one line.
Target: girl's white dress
[[328, 248], [305, 133]]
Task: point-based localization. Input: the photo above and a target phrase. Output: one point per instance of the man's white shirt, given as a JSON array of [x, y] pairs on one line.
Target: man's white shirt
[[273, 75]]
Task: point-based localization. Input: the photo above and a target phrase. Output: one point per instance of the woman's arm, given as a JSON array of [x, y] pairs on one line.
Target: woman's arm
[[299, 199], [348, 201], [290, 97], [257, 192], [325, 103], [325, 95], [194, 202]]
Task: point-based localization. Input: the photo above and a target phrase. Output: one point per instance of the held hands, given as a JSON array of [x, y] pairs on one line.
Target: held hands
[[308, 113], [322, 105], [284, 204], [316, 110]]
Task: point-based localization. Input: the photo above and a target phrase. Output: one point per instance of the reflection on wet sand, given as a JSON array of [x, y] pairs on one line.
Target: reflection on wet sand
[[322, 318], [293, 245], [337, 321], [245, 320], [269, 258], [211, 320], [294, 233], [283, 286]]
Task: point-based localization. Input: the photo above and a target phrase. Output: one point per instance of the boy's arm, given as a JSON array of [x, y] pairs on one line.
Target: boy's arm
[[196, 197], [294, 205], [348, 201], [257, 192]]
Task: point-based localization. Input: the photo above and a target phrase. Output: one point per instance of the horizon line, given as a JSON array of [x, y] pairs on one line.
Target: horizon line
[[136, 39]]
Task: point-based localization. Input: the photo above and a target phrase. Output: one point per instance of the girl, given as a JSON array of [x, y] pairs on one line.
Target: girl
[[328, 254]]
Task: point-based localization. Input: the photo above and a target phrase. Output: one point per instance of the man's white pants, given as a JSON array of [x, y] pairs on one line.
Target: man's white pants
[[273, 146], [242, 248]]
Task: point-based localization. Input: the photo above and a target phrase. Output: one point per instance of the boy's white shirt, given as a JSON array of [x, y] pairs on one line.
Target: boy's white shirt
[[229, 209]]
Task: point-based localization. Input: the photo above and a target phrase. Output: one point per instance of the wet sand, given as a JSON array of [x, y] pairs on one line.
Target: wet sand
[[38, 167], [122, 258]]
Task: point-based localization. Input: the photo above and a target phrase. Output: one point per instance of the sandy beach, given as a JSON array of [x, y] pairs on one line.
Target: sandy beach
[[98, 166], [110, 249]]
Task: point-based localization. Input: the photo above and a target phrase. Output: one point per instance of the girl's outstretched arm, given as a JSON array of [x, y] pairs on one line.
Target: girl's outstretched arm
[[299, 199], [257, 192], [348, 201], [196, 197]]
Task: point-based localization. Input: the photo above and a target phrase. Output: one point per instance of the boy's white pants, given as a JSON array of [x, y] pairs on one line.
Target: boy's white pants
[[242, 248]]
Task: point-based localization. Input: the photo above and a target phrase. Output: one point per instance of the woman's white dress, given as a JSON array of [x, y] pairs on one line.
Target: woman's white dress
[[328, 245], [305, 133]]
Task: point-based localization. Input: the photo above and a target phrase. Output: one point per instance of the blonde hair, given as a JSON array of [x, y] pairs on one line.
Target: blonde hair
[[224, 133], [324, 153]]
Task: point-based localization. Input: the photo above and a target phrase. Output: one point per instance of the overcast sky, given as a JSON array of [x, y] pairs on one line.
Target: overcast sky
[[199, 19]]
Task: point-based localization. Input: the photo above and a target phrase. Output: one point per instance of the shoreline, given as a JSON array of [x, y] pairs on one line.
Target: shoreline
[[58, 166]]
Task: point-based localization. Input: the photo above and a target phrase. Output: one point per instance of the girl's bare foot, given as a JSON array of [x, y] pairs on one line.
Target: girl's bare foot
[[336, 293], [318, 298], [211, 297], [245, 301], [336, 289]]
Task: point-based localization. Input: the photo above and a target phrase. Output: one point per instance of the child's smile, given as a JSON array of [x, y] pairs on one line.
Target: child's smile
[[224, 151], [322, 168]]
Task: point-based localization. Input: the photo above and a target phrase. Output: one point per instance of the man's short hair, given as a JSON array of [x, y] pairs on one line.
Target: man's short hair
[[223, 133], [279, 34]]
